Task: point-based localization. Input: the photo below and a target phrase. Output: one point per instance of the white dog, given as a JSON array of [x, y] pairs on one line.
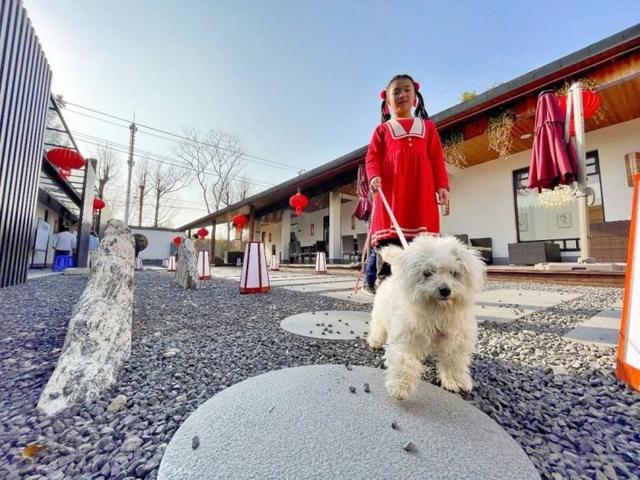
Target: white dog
[[425, 307]]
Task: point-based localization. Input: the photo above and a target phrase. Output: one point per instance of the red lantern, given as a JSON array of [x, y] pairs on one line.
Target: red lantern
[[98, 204], [590, 105], [239, 221], [299, 202], [177, 240], [66, 158], [202, 232]]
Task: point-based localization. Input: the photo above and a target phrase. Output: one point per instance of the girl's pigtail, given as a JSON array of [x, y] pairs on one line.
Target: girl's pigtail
[[385, 115], [421, 111]]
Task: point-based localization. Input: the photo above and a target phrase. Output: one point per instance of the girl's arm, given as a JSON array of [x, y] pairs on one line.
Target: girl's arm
[[373, 161], [436, 157]]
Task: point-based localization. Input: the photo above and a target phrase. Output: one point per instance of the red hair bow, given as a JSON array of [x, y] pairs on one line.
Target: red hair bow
[[383, 94]]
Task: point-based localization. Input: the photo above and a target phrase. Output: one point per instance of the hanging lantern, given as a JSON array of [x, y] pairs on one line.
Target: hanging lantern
[[98, 204], [66, 158], [590, 105], [64, 173], [202, 232], [299, 202], [177, 240], [239, 221]]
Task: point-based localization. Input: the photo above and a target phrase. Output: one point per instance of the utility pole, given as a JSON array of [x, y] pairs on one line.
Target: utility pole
[[132, 138]]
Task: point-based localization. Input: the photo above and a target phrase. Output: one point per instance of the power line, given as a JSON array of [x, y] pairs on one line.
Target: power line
[[182, 137], [157, 158]]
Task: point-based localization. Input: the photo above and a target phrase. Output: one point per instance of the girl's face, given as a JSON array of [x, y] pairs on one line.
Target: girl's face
[[401, 97]]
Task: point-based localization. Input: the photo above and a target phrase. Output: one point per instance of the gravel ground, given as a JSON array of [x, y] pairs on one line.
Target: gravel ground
[[559, 400]]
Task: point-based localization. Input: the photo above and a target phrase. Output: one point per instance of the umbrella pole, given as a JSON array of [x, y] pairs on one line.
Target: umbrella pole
[[582, 191]]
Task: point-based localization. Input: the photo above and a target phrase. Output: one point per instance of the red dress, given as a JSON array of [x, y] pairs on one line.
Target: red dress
[[407, 155]]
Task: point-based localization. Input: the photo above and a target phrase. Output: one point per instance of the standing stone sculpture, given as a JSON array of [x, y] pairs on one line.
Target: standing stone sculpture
[[187, 270], [98, 340]]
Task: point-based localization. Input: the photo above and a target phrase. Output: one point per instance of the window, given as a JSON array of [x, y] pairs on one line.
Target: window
[[535, 222]]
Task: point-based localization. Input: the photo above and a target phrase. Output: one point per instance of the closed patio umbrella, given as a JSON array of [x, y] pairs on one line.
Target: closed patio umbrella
[[553, 162]]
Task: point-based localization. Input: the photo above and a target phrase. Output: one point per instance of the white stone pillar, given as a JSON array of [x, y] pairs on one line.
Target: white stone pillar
[[335, 227], [285, 234]]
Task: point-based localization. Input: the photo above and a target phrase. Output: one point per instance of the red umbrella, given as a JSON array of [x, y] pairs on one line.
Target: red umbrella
[[553, 163], [363, 207]]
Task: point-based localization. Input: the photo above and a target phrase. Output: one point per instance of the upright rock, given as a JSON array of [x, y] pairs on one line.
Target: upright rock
[[98, 338], [187, 270]]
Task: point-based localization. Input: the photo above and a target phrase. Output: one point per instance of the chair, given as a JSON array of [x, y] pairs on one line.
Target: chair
[[348, 245], [295, 252], [361, 238], [484, 246], [531, 253]]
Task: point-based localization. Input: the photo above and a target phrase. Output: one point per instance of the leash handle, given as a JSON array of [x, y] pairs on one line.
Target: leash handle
[[401, 236]]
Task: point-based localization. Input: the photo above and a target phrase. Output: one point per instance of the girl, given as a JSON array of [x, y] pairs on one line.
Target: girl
[[405, 158]]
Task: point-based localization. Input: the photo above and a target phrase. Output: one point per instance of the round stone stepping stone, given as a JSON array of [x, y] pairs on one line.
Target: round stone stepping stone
[[304, 422], [331, 324]]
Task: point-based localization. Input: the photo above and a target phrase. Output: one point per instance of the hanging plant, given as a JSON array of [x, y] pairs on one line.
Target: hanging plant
[[499, 133], [453, 150]]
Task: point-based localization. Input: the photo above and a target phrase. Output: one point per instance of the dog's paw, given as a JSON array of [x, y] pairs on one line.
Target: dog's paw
[[461, 383], [400, 390], [375, 342]]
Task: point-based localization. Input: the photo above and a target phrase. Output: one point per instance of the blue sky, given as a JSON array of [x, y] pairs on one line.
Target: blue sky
[[298, 82]]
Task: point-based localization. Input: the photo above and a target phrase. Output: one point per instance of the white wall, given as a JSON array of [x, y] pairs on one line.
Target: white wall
[[159, 242], [482, 203], [275, 230]]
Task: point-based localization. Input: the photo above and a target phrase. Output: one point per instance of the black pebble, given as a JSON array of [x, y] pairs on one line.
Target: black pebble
[[311, 331], [394, 425], [352, 389], [326, 313], [366, 388], [195, 442], [349, 367], [330, 325], [409, 447], [351, 332]]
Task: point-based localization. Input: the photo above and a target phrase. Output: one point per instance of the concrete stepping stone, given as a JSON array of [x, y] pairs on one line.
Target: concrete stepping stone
[[351, 296], [329, 325], [323, 287], [304, 422], [601, 329]]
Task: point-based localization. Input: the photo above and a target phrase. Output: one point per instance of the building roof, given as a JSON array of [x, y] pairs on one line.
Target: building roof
[[573, 64]]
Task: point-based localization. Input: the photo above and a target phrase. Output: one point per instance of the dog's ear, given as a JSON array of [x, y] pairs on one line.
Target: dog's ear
[[391, 254], [473, 266]]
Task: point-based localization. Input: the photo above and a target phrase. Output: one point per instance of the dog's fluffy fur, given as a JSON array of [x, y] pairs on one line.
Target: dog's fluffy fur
[[424, 307]]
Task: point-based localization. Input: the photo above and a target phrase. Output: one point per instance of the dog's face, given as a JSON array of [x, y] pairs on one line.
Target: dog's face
[[436, 269]]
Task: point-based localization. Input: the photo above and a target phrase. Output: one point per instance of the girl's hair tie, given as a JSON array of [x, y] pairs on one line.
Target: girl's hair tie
[[383, 94], [416, 86]]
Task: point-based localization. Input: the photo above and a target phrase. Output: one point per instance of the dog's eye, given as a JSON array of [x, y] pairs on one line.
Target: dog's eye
[[426, 274], [455, 274]]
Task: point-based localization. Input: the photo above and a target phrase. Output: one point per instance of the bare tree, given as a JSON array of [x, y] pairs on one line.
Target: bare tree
[[108, 166], [143, 185], [216, 160], [241, 189], [166, 180]]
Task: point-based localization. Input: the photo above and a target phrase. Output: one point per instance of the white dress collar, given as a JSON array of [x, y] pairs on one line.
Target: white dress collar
[[397, 130]]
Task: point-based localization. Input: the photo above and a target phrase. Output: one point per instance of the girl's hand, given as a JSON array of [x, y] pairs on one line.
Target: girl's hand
[[443, 196], [374, 184]]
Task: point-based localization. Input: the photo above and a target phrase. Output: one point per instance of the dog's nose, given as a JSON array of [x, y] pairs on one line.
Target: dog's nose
[[444, 291]]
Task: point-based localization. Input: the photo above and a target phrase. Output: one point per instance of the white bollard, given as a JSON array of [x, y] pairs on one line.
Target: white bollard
[[171, 264], [254, 277], [138, 264], [204, 270], [165, 262], [275, 264], [321, 262]]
